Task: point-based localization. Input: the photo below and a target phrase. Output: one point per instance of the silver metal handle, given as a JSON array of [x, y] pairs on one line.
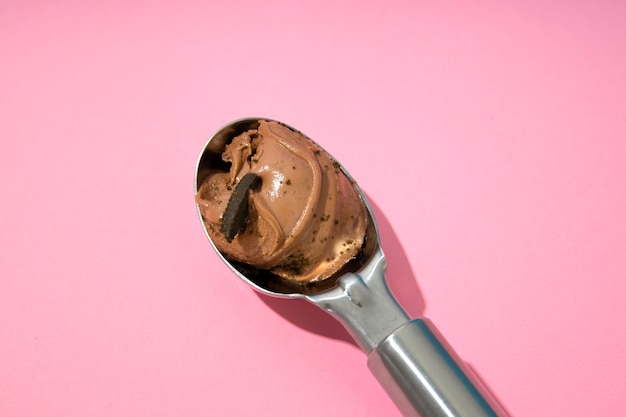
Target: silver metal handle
[[410, 358], [423, 375]]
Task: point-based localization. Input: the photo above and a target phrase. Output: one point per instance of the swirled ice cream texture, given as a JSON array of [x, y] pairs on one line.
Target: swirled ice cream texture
[[305, 221]]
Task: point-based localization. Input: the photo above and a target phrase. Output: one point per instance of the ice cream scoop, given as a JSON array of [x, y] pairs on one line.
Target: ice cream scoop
[[409, 357], [279, 203]]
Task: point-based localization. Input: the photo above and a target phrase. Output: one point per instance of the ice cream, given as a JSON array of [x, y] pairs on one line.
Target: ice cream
[[282, 205]]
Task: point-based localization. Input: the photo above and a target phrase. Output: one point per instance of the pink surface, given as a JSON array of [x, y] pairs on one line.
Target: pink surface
[[490, 137]]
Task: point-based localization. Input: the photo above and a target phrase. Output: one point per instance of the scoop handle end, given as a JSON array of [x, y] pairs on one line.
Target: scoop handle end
[[425, 378]]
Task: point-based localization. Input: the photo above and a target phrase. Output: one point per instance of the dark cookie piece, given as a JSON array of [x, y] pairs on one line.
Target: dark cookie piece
[[236, 215]]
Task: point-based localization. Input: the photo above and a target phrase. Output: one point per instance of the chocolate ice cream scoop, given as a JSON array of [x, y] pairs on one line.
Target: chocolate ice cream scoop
[[283, 205], [410, 358]]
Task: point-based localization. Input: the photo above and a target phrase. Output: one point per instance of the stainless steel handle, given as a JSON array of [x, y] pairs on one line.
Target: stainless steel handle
[[424, 377], [410, 358]]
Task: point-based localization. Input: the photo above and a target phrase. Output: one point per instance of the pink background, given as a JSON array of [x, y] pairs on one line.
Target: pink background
[[490, 137]]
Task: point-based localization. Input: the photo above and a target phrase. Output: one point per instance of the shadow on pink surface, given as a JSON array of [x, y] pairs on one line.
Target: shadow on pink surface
[[404, 287]]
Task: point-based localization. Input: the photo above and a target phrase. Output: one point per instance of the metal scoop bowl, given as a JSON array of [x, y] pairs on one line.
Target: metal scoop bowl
[[410, 358]]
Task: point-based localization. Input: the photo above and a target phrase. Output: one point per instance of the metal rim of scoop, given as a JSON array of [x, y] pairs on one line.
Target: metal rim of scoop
[[264, 281]]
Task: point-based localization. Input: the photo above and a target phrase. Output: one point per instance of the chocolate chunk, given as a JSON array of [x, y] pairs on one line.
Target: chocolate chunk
[[236, 215]]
